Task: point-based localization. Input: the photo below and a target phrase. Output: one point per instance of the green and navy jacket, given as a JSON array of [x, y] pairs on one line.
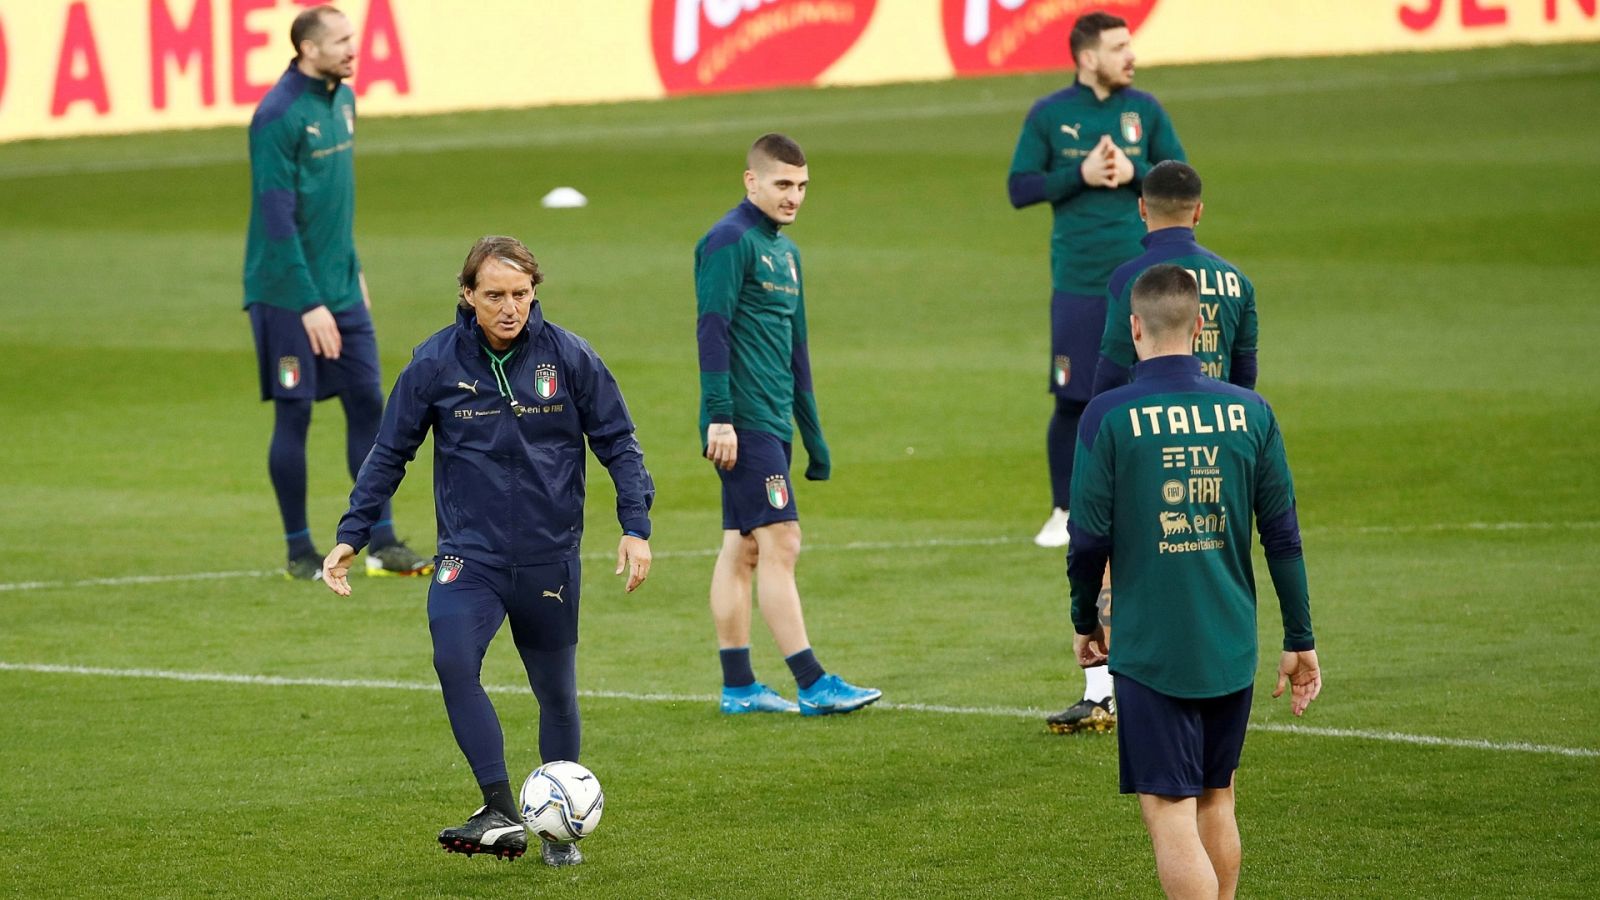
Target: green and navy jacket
[[1171, 471], [508, 430], [1226, 346], [1095, 229], [755, 369], [300, 251]]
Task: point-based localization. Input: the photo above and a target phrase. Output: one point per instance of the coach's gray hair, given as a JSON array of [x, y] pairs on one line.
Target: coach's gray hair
[[508, 250]]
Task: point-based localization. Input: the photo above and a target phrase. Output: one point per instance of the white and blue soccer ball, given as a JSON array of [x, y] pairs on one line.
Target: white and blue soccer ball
[[562, 802]]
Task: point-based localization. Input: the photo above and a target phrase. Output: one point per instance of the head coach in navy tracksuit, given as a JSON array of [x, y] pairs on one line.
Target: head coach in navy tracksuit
[[510, 399]]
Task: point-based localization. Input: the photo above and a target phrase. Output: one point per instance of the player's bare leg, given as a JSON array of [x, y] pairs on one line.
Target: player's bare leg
[[1181, 861], [778, 550], [730, 611], [730, 589], [821, 693], [1219, 833]]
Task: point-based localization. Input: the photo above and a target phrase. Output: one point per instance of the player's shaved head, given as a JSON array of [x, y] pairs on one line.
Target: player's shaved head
[[507, 251], [1166, 300], [1171, 190], [1086, 31], [773, 148], [309, 25]]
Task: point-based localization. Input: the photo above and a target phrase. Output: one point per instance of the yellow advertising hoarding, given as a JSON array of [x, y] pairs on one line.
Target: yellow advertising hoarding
[[98, 66]]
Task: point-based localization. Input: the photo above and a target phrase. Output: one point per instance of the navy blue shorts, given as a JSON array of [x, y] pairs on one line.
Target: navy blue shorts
[[1177, 747], [288, 369], [757, 491], [469, 600], [1076, 324]]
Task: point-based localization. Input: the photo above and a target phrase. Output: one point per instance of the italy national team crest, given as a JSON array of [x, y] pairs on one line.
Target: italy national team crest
[[778, 491], [349, 118], [544, 381], [1063, 371], [289, 371], [449, 569], [1132, 128]]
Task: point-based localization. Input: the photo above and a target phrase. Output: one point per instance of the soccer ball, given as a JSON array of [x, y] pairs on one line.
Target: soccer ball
[[562, 801]]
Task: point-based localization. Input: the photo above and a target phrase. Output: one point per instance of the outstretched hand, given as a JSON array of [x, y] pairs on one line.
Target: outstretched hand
[[336, 569], [1301, 671]]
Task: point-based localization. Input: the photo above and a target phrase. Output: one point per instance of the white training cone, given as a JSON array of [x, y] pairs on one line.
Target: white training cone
[[564, 198]]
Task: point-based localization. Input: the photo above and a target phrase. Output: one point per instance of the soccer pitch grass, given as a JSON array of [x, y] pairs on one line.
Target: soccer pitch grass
[[1420, 230]]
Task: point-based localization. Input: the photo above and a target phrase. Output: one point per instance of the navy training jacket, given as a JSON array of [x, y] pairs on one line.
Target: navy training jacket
[[508, 471]]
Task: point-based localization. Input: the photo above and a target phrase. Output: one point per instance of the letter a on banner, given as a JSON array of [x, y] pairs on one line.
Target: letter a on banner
[[77, 44], [382, 58]]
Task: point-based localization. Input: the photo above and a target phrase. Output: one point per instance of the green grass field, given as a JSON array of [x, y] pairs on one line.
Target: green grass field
[[1420, 229]]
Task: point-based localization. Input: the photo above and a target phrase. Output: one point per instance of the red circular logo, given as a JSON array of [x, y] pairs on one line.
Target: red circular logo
[[725, 45], [986, 36]]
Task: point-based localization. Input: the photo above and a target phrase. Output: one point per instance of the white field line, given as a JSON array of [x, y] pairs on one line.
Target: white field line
[[1392, 737], [1428, 740], [546, 135], [851, 546]]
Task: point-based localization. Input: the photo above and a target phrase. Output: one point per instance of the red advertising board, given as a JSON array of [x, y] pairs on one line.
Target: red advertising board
[[984, 36], [727, 45]]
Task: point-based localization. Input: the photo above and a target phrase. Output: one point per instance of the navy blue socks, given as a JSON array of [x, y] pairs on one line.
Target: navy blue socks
[[497, 796], [300, 544], [805, 667], [286, 463], [736, 671], [363, 413], [1061, 444]]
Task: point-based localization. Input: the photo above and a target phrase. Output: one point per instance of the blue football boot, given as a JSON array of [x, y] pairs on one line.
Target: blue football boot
[[832, 694], [753, 698]]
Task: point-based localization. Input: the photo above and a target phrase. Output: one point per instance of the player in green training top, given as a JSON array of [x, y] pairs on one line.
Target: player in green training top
[[1170, 205], [1084, 150], [755, 376], [303, 285], [1172, 471]]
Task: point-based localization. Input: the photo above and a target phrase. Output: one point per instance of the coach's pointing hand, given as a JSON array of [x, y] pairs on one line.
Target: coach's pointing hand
[[336, 569]]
